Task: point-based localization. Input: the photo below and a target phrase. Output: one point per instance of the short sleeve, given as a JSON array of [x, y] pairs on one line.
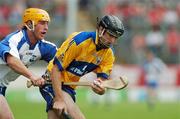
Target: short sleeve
[[106, 65]]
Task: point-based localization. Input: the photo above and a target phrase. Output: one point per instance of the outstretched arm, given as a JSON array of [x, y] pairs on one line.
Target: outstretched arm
[[17, 65]]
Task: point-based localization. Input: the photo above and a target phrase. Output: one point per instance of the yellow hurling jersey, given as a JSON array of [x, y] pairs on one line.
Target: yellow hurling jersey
[[78, 56]]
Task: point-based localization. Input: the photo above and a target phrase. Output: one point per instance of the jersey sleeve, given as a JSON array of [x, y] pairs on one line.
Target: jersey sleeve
[[50, 53], [66, 54], [105, 66], [8, 46]]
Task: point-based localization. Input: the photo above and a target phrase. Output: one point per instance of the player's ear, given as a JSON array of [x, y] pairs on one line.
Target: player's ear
[[30, 24]]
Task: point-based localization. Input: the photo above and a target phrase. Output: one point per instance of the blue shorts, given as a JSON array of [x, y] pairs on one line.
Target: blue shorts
[[48, 94], [2, 90]]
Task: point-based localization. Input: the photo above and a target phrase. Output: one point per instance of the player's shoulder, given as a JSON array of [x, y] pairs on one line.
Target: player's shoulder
[[46, 47], [80, 37], [47, 43], [13, 35], [111, 51]]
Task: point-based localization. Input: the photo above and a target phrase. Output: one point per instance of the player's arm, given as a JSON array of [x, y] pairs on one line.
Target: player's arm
[[103, 72], [59, 103], [9, 53], [17, 65], [64, 55]]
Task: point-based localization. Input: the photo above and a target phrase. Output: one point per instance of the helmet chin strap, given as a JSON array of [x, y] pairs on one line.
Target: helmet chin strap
[[32, 28], [101, 44]]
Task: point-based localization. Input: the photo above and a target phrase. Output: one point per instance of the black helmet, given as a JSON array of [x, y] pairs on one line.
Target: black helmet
[[112, 24]]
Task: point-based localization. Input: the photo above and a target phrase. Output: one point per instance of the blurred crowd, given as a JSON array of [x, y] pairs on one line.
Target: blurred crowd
[[152, 24], [11, 15]]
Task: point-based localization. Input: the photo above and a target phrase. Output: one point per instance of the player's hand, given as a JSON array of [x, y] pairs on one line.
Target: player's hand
[[60, 106], [37, 81], [97, 87]]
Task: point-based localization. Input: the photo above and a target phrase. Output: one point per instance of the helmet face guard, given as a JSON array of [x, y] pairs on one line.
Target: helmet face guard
[[34, 15], [115, 33], [103, 44]]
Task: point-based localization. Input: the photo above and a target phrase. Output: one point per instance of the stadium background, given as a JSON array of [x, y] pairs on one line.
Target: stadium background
[[139, 18]]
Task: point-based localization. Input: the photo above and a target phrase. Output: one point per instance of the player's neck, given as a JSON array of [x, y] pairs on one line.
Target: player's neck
[[33, 40]]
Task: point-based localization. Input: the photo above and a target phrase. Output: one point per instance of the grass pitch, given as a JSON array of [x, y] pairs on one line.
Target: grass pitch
[[24, 109]]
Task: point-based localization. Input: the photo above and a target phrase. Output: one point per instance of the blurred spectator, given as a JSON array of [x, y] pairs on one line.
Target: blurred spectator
[[178, 9], [84, 4], [4, 30], [178, 77], [5, 10], [111, 8], [126, 10], [16, 12], [60, 12], [138, 20], [156, 13], [2, 19], [170, 17], [155, 40], [138, 16], [172, 41], [138, 47]]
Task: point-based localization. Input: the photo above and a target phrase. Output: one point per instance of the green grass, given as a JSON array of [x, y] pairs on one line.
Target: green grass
[[132, 111], [24, 109], [27, 110]]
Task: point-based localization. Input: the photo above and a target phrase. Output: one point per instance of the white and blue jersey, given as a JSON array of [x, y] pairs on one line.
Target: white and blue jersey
[[18, 45], [153, 70]]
